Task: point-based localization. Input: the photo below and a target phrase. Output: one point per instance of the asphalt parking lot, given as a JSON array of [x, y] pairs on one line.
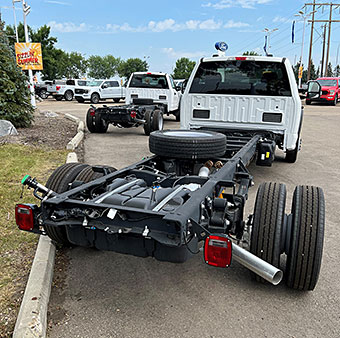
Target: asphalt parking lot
[[112, 295]]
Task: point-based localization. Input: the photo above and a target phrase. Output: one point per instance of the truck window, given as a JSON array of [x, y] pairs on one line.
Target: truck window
[[172, 82], [114, 84], [70, 82], [241, 77], [81, 83], [148, 81]]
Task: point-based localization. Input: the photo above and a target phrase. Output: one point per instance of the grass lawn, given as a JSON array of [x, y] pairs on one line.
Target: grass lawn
[[17, 248]]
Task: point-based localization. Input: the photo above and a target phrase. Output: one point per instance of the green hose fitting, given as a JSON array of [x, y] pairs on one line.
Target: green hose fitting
[[25, 178]]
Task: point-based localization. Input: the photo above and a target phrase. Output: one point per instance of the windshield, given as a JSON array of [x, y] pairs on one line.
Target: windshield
[[148, 81], [330, 83], [94, 83], [241, 77]]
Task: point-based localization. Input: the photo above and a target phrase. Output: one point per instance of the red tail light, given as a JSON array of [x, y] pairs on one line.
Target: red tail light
[[57, 87], [133, 114], [24, 217], [217, 251], [241, 58], [92, 112]]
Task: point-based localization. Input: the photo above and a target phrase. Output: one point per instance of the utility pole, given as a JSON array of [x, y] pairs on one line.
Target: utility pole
[[329, 37], [323, 50], [311, 43], [329, 21]]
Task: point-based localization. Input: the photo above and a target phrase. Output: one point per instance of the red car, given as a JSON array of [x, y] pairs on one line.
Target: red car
[[330, 90]]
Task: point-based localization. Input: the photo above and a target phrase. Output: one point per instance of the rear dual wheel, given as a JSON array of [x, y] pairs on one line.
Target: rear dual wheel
[[302, 241], [95, 123], [153, 121]]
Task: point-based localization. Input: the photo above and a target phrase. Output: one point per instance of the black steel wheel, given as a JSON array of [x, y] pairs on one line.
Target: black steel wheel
[[116, 100], [306, 238], [68, 95], [148, 123], [59, 182], [308, 102], [90, 120], [268, 223], [157, 120], [43, 94], [95, 98], [80, 99], [58, 98], [187, 144], [101, 125]]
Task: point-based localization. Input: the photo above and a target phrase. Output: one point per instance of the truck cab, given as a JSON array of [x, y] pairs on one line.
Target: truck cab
[[159, 87], [97, 90], [248, 94]]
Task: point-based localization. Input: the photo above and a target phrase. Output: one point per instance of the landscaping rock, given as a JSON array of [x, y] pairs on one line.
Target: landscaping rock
[[7, 128]]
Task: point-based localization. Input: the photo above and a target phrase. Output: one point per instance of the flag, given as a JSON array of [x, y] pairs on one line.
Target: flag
[[293, 33], [265, 44]]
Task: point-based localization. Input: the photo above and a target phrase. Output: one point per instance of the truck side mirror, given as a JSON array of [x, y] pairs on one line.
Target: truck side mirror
[[314, 90], [105, 85], [178, 88]]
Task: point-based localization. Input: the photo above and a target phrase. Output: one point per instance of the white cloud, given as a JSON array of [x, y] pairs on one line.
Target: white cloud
[[67, 27], [179, 54], [281, 19], [222, 4], [58, 2], [233, 24], [172, 25]]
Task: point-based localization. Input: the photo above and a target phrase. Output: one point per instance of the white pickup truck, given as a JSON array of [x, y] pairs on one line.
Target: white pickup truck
[[249, 94], [159, 87], [61, 89], [97, 90]]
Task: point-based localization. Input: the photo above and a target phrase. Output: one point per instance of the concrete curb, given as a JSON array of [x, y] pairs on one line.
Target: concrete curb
[[73, 144], [32, 318]]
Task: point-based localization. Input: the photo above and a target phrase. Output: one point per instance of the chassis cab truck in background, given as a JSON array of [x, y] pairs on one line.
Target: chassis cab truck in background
[[159, 87], [194, 188]]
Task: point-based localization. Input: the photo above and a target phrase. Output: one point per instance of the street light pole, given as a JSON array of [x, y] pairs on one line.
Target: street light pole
[[26, 11], [268, 33], [15, 19], [304, 16]]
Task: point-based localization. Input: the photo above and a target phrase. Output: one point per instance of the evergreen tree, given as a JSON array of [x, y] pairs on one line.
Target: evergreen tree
[[15, 103], [337, 71], [329, 70]]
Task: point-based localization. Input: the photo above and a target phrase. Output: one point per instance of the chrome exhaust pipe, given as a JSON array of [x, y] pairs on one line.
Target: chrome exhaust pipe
[[262, 268]]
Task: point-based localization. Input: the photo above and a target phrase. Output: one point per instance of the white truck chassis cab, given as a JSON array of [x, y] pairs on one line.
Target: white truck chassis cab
[[159, 87], [246, 94]]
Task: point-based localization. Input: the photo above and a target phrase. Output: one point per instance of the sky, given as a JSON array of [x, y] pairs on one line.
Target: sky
[[163, 31]]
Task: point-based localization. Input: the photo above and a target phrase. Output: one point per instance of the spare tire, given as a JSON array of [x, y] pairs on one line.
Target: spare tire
[[187, 144]]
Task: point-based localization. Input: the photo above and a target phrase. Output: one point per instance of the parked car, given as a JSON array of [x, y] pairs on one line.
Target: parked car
[[97, 90], [41, 88], [65, 89], [330, 91], [155, 86]]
